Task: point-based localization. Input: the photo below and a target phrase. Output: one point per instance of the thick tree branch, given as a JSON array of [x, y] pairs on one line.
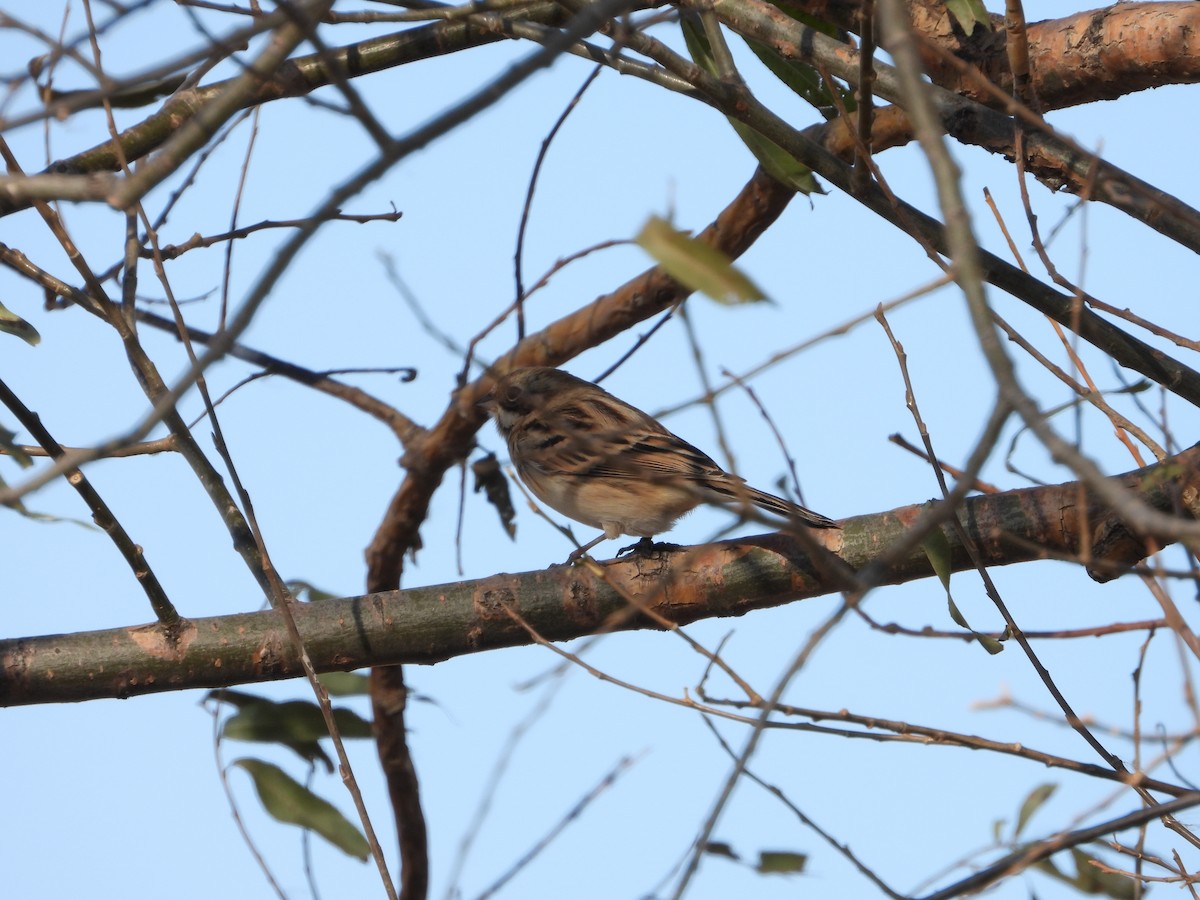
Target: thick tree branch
[[431, 624], [1099, 54], [987, 117], [389, 700]]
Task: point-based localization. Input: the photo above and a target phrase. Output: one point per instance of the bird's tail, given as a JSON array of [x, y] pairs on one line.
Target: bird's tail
[[790, 510], [741, 491]]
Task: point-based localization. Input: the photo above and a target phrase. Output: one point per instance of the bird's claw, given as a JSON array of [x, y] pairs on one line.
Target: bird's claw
[[647, 546]]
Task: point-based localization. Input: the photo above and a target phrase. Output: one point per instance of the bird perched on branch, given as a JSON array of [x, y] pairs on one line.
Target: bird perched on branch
[[604, 463]]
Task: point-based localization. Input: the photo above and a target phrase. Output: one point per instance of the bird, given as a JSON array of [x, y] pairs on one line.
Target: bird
[[604, 463]]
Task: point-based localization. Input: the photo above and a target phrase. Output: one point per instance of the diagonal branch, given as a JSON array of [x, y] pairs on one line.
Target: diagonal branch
[[1092, 55], [199, 128], [102, 514], [1024, 857], [970, 119], [1097, 54]]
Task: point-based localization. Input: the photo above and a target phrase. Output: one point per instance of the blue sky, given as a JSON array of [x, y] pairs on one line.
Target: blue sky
[[119, 798]]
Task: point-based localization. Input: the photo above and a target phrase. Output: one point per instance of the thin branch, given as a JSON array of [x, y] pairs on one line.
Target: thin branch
[[196, 241], [519, 252], [1025, 857], [778, 794], [864, 97], [757, 730], [487, 794], [779, 356], [162, 445], [574, 813], [401, 425], [983, 487], [1092, 395], [298, 76], [135, 558], [391, 270], [1057, 634], [234, 811], [210, 115], [1016, 46]]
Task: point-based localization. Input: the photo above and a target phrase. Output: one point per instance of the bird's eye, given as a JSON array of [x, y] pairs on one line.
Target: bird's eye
[[512, 394]]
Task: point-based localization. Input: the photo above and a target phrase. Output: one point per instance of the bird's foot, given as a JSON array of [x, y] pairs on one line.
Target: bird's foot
[[647, 547]]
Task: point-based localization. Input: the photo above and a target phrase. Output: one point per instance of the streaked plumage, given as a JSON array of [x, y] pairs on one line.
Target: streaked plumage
[[604, 463]]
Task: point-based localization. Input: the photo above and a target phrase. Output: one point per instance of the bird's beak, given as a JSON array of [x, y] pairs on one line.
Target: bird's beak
[[487, 402]]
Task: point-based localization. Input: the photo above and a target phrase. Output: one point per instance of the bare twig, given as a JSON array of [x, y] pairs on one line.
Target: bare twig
[[196, 241], [162, 445], [1024, 857], [519, 253], [571, 815], [953, 471], [777, 792], [134, 557]]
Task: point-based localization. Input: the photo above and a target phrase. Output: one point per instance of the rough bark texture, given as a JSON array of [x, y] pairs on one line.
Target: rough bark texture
[[1097, 55]]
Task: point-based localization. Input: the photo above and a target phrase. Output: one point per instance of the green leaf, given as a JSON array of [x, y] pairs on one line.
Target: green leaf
[[987, 642], [8, 441], [297, 724], [720, 848], [303, 590], [21, 509], [1048, 867], [998, 830], [780, 164], [937, 550], [295, 720], [233, 698], [695, 264], [345, 684], [802, 78], [289, 801], [959, 619], [1032, 803], [11, 323], [697, 43], [969, 13], [1088, 879], [780, 862]]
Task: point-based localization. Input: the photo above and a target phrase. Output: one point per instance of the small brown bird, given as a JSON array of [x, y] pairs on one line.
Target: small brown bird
[[604, 463]]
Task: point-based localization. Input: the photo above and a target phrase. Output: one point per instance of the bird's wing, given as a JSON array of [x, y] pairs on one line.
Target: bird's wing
[[653, 455]]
